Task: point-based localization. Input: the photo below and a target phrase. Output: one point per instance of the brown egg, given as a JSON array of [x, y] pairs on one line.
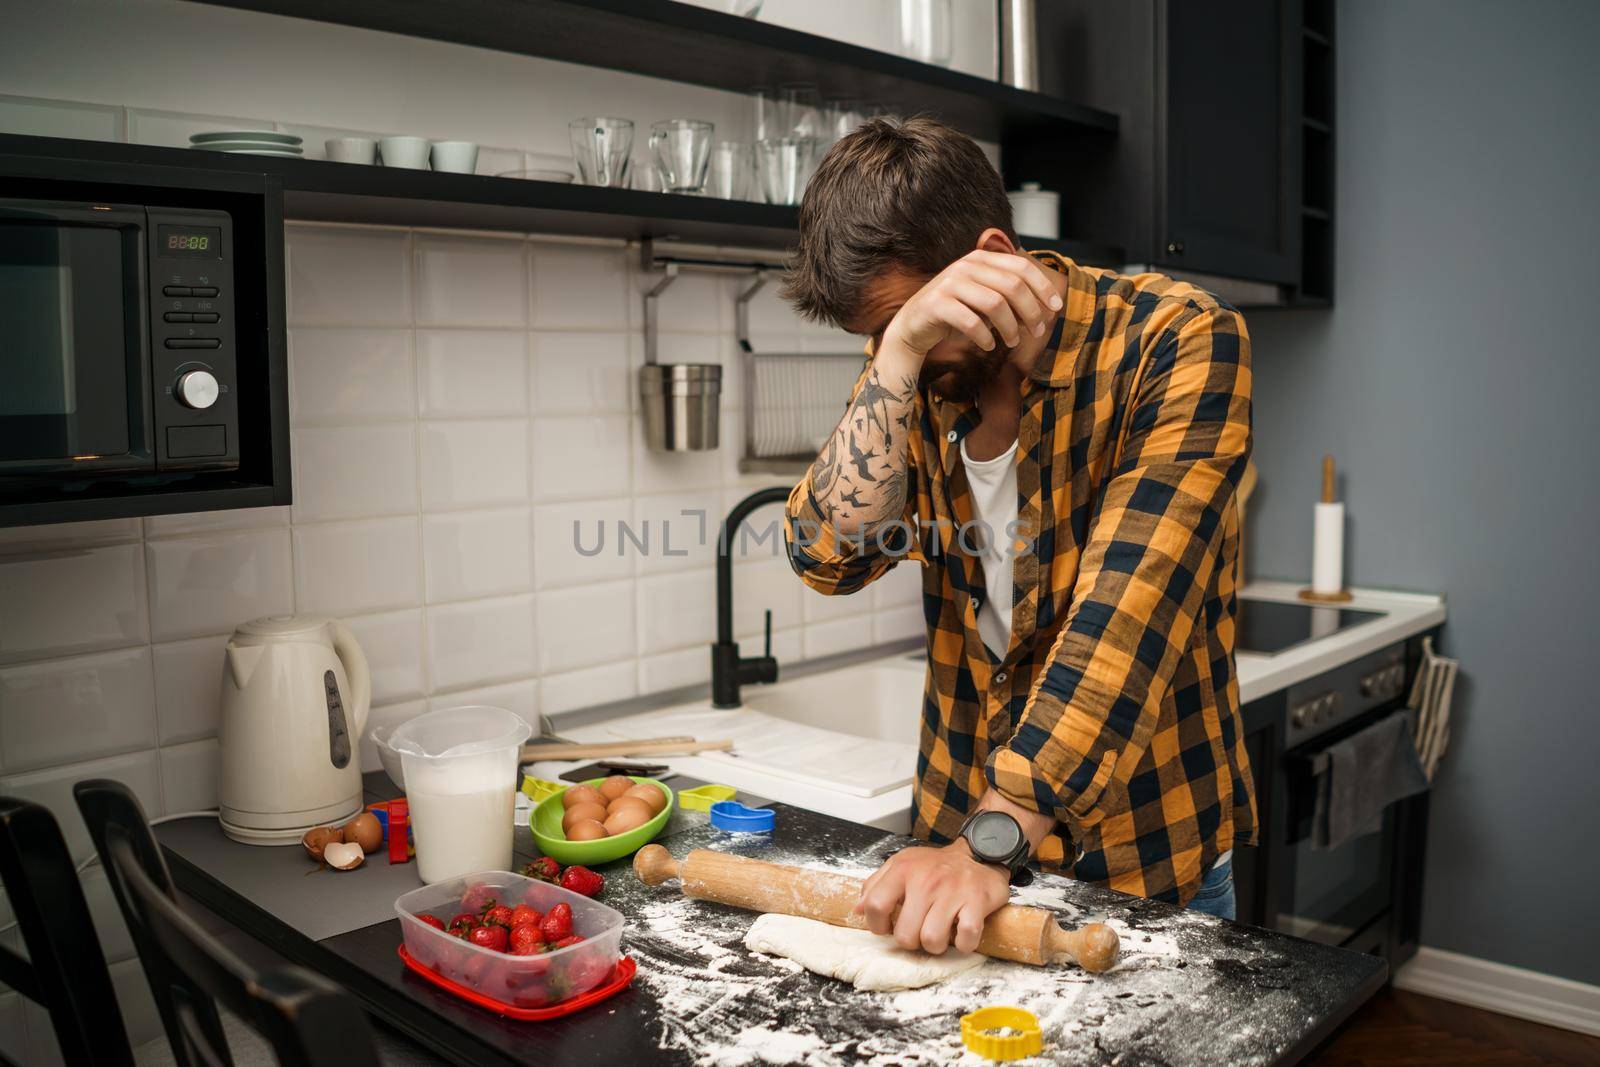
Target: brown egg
[[317, 837], [580, 812], [650, 794], [629, 818], [364, 830], [587, 830], [582, 794], [615, 786], [629, 804]]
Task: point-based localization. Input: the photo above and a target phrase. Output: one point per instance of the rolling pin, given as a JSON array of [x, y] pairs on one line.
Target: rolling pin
[[1022, 934]]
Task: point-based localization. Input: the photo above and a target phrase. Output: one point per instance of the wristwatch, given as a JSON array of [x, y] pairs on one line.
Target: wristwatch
[[995, 837]]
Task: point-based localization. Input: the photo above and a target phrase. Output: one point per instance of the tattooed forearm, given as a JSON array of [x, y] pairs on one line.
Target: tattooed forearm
[[859, 478]]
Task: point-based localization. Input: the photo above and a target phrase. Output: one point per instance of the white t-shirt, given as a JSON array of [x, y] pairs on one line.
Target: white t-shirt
[[993, 483]]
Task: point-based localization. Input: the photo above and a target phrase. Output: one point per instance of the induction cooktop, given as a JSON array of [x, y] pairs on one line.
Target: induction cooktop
[[1270, 626]]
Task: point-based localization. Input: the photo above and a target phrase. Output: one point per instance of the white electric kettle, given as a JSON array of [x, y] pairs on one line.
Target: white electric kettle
[[295, 691]]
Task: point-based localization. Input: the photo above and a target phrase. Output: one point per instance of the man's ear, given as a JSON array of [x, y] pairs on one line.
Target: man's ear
[[995, 240]]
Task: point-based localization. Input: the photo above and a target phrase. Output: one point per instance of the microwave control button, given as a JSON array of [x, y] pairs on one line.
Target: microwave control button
[[203, 290], [176, 290], [177, 316], [206, 316], [194, 342], [196, 389]]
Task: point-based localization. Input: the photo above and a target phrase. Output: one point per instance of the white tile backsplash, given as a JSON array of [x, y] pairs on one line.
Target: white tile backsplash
[[72, 600], [349, 472], [339, 376], [209, 584], [60, 118], [580, 373], [481, 641], [349, 277], [585, 626], [481, 463], [581, 458], [472, 372], [471, 281], [189, 776], [392, 643], [349, 568], [189, 687], [579, 286], [469, 554], [53, 789], [59, 710]]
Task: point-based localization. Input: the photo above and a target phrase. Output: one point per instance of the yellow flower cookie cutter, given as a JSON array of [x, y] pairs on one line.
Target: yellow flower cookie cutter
[[700, 798], [984, 1032], [536, 789]]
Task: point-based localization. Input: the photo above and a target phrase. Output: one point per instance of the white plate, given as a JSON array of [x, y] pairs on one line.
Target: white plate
[[538, 175], [269, 136], [252, 147]]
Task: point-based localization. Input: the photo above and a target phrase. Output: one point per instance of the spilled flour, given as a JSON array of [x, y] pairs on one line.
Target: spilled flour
[[1186, 989]]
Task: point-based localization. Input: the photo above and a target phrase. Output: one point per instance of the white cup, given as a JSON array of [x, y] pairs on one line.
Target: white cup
[[455, 157], [352, 149], [410, 153]]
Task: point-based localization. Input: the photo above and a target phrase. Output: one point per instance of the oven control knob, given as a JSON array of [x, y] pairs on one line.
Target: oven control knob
[[196, 389], [1300, 716]]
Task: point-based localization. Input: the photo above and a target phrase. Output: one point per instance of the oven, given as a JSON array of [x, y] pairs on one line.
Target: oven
[[1366, 894]]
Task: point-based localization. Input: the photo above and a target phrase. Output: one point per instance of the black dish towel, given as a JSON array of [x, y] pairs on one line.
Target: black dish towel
[[1365, 773]]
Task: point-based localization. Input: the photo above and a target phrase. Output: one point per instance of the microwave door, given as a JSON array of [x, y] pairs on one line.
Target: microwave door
[[74, 394]]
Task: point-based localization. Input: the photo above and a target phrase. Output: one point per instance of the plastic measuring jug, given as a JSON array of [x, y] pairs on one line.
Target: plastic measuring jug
[[461, 776]]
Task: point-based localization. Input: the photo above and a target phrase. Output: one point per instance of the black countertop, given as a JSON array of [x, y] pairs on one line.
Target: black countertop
[[1189, 989]]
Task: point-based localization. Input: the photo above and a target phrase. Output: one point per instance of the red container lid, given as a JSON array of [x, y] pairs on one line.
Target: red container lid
[[620, 979]]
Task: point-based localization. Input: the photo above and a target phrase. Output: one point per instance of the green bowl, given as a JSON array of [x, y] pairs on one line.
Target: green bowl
[[546, 825]]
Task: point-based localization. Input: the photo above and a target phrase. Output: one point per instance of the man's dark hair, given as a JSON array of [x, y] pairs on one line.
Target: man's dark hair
[[908, 195]]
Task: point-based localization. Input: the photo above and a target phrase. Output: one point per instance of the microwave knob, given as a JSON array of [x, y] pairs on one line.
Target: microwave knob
[[196, 389]]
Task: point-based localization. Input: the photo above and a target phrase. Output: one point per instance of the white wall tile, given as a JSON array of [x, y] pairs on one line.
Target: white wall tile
[[392, 643], [676, 611], [472, 372], [481, 641], [896, 624], [901, 584], [579, 287], [338, 375], [189, 687], [62, 535], [586, 626], [60, 118], [472, 554], [61, 710], [520, 698], [674, 670], [815, 607], [495, 161], [577, 543], [667, 472], [348, 277], [355, 471], [770, 585], [385, 715], [760, 537], [210, 584], [786, 645], [347, 568], [829, 638], [582, 458], [78, 600], [696, 303], [215, 521], [189, 776], [474, 464], [678, 531], [53, 789], [580, 373], [586, 688], [172, 128], [471, 281]]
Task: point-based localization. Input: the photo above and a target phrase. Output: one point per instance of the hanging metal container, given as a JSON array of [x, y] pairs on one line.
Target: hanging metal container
[[681, 402]]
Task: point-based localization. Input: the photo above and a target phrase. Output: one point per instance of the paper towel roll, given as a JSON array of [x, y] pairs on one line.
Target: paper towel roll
[[1327, 550]]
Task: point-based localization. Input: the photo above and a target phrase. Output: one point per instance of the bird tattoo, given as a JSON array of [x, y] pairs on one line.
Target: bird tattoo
[[860, 458]]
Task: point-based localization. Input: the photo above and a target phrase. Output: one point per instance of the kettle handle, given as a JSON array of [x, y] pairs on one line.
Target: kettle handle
[[355, 669]]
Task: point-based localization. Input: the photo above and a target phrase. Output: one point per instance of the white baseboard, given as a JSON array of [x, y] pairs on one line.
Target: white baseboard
[[1540, 998]]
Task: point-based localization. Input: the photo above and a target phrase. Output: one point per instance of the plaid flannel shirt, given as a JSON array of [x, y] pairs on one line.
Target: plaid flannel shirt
[[1115, 707]]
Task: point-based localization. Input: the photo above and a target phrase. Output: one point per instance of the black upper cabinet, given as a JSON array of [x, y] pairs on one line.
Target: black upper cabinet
[[1205, 176]]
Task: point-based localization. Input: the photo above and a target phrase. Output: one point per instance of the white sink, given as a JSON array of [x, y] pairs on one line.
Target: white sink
[[882, 701]]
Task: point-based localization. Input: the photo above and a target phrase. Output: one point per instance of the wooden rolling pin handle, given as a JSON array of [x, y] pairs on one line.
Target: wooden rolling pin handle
[[1093, 947], [654, 865]]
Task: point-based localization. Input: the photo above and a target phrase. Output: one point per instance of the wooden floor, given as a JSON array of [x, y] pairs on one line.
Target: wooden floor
[[1408, 1030]]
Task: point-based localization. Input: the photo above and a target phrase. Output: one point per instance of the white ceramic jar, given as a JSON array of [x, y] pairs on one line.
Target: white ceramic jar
[[1036, 212]]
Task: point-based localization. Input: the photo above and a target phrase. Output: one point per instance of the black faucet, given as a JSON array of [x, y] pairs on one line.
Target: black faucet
[[729, 670]]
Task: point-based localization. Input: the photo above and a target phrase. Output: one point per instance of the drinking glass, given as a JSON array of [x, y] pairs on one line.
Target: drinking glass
[[799, 111], [730, 170], [925, 31], [783, 166], [682, 148], [602, 148], [841, 116]]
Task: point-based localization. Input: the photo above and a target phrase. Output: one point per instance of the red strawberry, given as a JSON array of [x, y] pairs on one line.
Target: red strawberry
[[526, 940], [570, 939], [480, 898], [462, 920], [499, 914], [430, 920], [557, 923], [522, 914], [582, 880], [489, 936], [544, 868]]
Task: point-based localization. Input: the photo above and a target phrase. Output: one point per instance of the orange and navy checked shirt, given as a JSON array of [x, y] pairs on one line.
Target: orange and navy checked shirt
[[1115, 707]]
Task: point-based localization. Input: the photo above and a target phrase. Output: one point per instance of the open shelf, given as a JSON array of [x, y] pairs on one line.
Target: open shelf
[[343, 192], [684, 43]]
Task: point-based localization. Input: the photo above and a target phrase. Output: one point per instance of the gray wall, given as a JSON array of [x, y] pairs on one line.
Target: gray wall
[[1457, 382]]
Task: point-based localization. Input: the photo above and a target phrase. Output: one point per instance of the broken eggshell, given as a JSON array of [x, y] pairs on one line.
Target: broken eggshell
[[316, 839], [342, 855]]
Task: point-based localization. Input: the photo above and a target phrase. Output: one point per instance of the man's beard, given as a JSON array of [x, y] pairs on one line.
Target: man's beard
[[963, 382]]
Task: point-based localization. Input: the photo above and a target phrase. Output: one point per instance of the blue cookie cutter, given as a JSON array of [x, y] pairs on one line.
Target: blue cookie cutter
[[733, 816]]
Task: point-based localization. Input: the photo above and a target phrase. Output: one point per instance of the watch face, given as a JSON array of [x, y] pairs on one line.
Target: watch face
[[994, 836]]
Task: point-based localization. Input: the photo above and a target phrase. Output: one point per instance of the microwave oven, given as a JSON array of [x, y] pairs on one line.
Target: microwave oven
[[141, 348]]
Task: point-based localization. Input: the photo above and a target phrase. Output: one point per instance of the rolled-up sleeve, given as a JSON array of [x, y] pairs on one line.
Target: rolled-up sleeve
[[1151, 552]]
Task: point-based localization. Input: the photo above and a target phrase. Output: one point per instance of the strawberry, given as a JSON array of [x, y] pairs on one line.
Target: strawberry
[[526, 940], [489, 936], [570, 939], [462, 920], [557, 923], [544, 868], [500, 915], [480, 898], [582, 880], [430, 920], [522, 914]]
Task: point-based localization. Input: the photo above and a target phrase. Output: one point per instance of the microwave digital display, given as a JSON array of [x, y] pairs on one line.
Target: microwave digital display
[[191, 242]]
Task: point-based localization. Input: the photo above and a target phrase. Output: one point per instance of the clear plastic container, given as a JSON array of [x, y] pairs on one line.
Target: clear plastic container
[[520, 981], [460, 769]]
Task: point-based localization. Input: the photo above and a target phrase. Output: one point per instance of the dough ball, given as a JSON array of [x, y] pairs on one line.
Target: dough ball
[[629, 818], [586, 830], [582, 794], [650, 794], [579, 812], [615, 786]]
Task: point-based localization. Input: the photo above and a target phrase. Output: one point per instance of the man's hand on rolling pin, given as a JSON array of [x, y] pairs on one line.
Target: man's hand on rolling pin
[[943, 889]]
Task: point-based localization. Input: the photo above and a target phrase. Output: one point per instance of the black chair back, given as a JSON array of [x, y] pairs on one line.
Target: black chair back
[[308, 1021], [65, 972]]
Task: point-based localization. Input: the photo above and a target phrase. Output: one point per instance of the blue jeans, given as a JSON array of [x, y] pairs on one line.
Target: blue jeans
[[1216, 892]]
